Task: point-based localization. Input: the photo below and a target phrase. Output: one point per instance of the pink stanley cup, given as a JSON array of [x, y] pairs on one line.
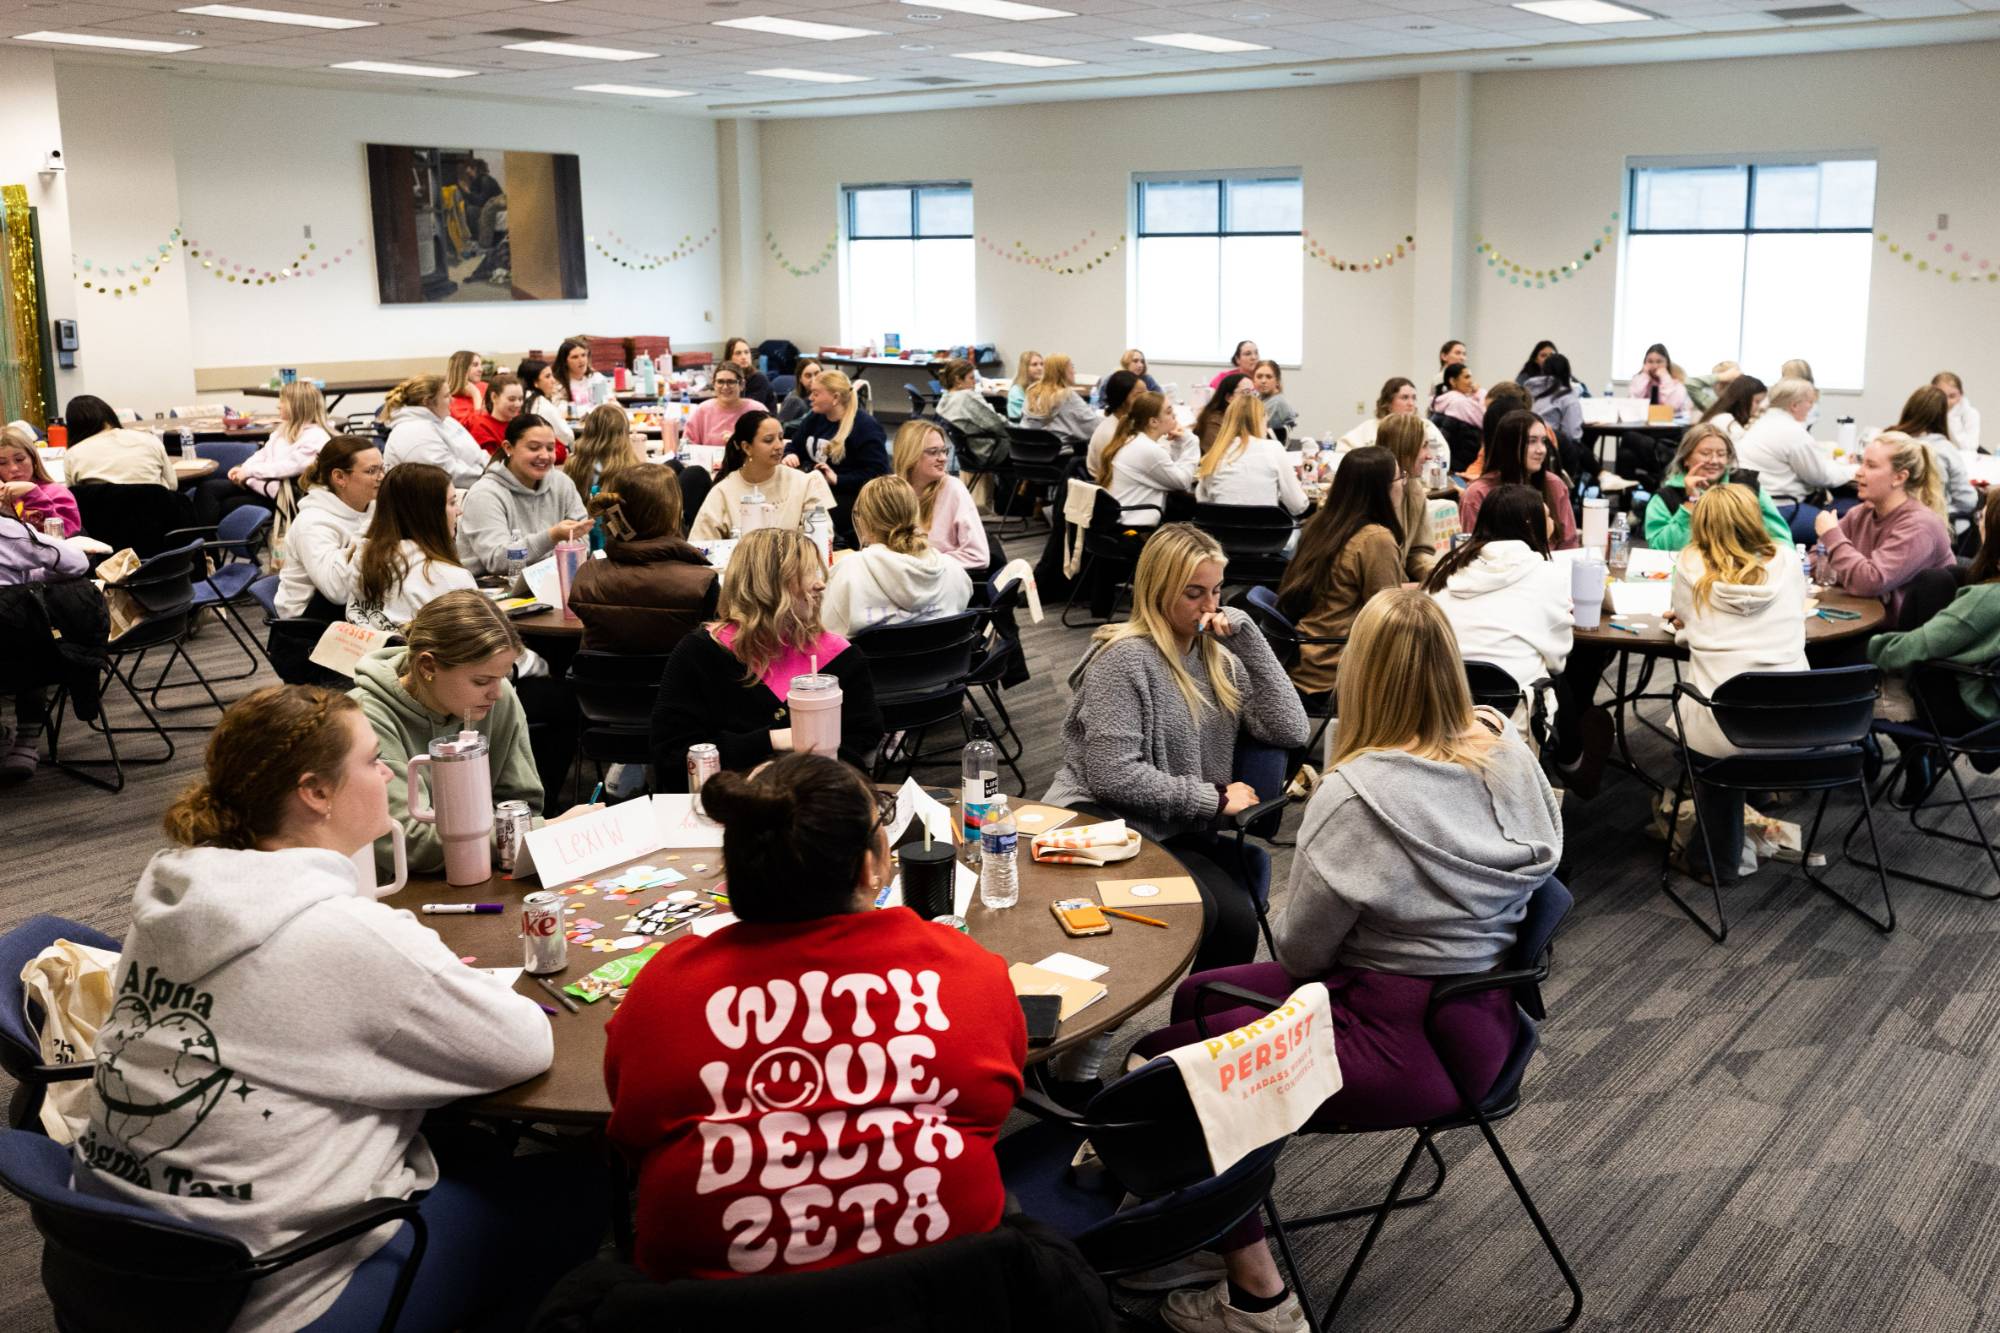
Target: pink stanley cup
[[460, 804]]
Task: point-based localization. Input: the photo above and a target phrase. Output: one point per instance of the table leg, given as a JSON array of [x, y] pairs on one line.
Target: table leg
[[1620, 697]]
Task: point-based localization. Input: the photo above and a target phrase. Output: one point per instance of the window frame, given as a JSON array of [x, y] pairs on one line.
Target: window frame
[[913, 235], [1218, 177]]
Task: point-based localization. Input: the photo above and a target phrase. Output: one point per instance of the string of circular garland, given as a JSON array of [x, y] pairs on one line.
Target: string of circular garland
[[1953, 273], [1520, 275], [647, 262], [825, 256], [144, 270], [1053, 262], [302, 266], [1381, 261]]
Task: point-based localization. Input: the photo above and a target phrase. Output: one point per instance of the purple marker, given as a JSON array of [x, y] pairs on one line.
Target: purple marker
[[462, 909]]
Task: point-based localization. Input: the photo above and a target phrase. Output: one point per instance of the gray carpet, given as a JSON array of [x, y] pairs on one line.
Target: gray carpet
[[1793, 1130]]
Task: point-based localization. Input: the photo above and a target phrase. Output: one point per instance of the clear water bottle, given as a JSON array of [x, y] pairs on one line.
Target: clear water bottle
[[187, 445], [1805, 560], [1822, 568], [819, 528], [517, 556], [642, 367], [753, 511], [999, 877], [1621, 544], [979, 765]]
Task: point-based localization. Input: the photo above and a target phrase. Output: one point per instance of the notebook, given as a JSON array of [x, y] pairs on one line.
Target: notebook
[[1076, 994], [1143, 893]]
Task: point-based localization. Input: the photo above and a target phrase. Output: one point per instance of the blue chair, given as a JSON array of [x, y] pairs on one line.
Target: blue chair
[[264, 592], [1526, 968], [109, 1265], [238, 537], [225, 454], [1287, 644], [20, 1029]]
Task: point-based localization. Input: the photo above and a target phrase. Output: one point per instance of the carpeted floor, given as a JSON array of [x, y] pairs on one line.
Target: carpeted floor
[[1798, 1129]]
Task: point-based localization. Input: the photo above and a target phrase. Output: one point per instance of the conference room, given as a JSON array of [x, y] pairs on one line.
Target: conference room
[[975, 664]]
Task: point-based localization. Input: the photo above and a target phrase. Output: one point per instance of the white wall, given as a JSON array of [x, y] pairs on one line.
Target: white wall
[[29, 127]]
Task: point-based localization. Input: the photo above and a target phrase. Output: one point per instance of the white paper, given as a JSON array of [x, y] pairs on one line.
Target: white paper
[[1071, 966], [677, 824], [1599, 411], [1646, 565], [704, 926], [573, 849], [964, 885], [344, 644], [544, 582], [1641, 599]]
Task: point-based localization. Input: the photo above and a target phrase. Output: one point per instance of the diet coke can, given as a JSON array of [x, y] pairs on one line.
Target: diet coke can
[[704, 762], [511, 822], [52, 526], [547, 948]]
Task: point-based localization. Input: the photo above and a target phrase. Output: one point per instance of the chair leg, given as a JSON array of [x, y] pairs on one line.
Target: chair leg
[[1381, 1212], [1429, 1145], [1720, 932], [1965, 801], [1541, 1227], [1884, 923], [1076, 585]]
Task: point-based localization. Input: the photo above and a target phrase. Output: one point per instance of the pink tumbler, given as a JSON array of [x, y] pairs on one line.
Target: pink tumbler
[[460, 804], [570, 556], [814, 701]]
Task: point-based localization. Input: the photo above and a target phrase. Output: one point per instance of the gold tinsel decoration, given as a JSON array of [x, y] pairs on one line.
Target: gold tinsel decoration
[[22, 303]]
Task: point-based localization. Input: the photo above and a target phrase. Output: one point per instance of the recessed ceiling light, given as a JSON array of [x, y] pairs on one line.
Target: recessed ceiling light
[[115, 43], [1250, 17], [275, 16], [819, 32], [997, 9], [1583, 11], [381, 4], [1021, 58], [808, 75], [1201, 41], [915, 46], [984, 97], [576, 52], [629, 90], [415, 71], [760, 113]]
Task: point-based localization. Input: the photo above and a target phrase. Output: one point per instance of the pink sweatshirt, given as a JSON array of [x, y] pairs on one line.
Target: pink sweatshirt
[[280, 459], [55, 499], [1671, 392], [1873, 556], [955, 527], [711, 423]]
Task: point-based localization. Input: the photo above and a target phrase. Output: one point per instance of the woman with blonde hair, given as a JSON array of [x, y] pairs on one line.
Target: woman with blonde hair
[[26, 488], [1054, 405], [897, 574], [410, 556], [729, 683], [1897, 531], [1738, 605], [1405, 439], [464, 382], [1134, 360], [1705, 459], [605, 443], [1244, 466], [421, 430], [922, 457], [1148, 458], [843, 443], [260, 479], [1416, 860], [1028, 369], [1963, 416]]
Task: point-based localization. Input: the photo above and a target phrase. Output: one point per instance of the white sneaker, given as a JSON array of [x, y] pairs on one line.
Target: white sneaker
[[1209, 1311], [1200, 1269]]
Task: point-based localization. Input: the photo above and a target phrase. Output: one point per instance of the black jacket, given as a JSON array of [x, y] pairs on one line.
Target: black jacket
[[703, 697]]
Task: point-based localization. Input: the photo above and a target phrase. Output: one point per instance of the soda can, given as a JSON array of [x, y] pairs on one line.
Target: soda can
[[511, 822], [956, 923], [704, 762], [547, 948], [52, 526]]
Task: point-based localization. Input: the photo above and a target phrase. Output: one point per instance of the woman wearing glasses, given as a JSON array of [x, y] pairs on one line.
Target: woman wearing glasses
[[922, 457], [712, 421]]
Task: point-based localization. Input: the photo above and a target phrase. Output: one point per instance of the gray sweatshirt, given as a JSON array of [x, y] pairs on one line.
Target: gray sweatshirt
[[1418, 867], [1130, 744], [500, 504]]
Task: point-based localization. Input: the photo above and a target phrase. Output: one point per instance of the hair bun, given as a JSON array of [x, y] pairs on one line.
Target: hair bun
[[746, 804]]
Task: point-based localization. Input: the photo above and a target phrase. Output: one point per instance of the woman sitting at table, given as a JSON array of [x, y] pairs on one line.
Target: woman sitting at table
[[1398, 397], [1134, 361], [572, 367], [1160, 703], [545, 398], [1451, 353], [755, 386], [463, 381], [29, 556], [410, 556], [798, 403], [1416, 860], [1350, 550], [1963, 416], [651, 589], [728, 684], [505, 399], [1148, 458], [1501, 398], [1403, 436], [1656, 381], [1243, 361], [896, 575], [1113, 393], [1461, 399], [102, 450], [711, 422], [844, 444], [1926, 419], [1027, 373], [605, 443], [525, 498], [259, 479], [317, 577], [752, 461], [805, 852], [1243, 466], [985, 430], [1738, 605], [1739, 403], [1788, 462], [1705, 459], [922, 457], [421, 431], [26, 489], [1054, 405], [1897, 531], [1522, 454], [342, 1020], [1270, 381], [1208, 421], [1554, 398], [1536, 360]]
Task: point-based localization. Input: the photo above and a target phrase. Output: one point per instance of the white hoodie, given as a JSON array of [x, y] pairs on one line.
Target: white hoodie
[[317, 547], [424, 581], [878, 586], [1260, 474], [1744, 627], [419, 435], [1511, 607], [273, 1046]]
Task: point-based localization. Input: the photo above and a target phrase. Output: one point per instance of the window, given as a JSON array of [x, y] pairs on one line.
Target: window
[[1218, 260], [1750, 262], [909, 265]]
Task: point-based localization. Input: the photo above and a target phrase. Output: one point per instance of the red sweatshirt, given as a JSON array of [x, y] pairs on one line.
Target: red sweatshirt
[[801, 1096]]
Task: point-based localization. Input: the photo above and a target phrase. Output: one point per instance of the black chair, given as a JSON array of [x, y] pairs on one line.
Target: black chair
[[614, 701], [920, 402], [1496, 688], [1462, 438], [1038, 461], [20, 1022], [1526, 968], [922, 670], [109, 1265], [1111, 546], [137, 516], [1797, 731], [994, 668], [1256, 540], [289, 643], [1286, 644]]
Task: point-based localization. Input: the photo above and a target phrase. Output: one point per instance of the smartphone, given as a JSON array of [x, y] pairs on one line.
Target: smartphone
[[1044, 1015], [1079, 917]]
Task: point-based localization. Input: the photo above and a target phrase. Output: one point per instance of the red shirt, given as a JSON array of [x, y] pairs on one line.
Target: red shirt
[[804, 1095], [491, 433]]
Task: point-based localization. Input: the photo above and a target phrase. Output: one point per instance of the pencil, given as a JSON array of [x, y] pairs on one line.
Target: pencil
[[1134, 916], [551, 988]]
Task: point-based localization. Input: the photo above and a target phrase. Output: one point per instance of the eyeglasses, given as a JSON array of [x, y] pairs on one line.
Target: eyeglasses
[[937, 453], [885, 808]]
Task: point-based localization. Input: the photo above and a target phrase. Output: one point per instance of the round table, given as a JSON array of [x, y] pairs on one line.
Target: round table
[[193, 469], [1650, 636], [1143, 960], [550, 624]]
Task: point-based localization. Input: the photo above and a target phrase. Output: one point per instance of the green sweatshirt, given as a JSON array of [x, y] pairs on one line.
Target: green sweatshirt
[[405, 727], [1667, 528], [1967, 632]]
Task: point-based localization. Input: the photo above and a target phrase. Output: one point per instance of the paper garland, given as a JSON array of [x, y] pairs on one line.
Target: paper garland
[[1961, 260], [302, 266], [646, 262], [145, 269], [806, 271], [1381, 261], [1520, 275], [1054, 261]]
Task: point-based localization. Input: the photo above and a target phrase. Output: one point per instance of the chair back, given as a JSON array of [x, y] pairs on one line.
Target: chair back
[[1254, 538], [1548, 907], [243, 524], [920, 402], [920, 667], [1277, 628], [136, 515], [225, 454], [616, 689], [290, 645], [1037, 453], [1797, 710], [265, 592], [1493, 686]]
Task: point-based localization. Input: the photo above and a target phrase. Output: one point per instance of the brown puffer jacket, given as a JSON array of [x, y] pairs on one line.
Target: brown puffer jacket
[[644, 596]]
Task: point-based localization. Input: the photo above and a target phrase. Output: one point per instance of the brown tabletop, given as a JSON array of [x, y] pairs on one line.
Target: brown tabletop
[[332, 387], [1651, 637], [193, 469], [548, 625], [1143, 960]]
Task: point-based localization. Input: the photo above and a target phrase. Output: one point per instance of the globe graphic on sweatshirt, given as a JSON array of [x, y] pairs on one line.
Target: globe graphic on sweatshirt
[[181, 1050]]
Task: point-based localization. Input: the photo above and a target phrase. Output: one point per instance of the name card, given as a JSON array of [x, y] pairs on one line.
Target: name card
[[344, 644], [579, 847], [542, 582]]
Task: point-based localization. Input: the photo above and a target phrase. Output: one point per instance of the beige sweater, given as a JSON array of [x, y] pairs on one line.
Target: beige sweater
[[124, 456], [1370, 563]]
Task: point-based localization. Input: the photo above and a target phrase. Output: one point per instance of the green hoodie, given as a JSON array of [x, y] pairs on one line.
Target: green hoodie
[[1667, 526], [405, 727], [1967, 631]]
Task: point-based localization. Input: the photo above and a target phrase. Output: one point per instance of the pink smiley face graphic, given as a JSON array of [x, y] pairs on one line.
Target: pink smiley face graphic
[[785, 1079]]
